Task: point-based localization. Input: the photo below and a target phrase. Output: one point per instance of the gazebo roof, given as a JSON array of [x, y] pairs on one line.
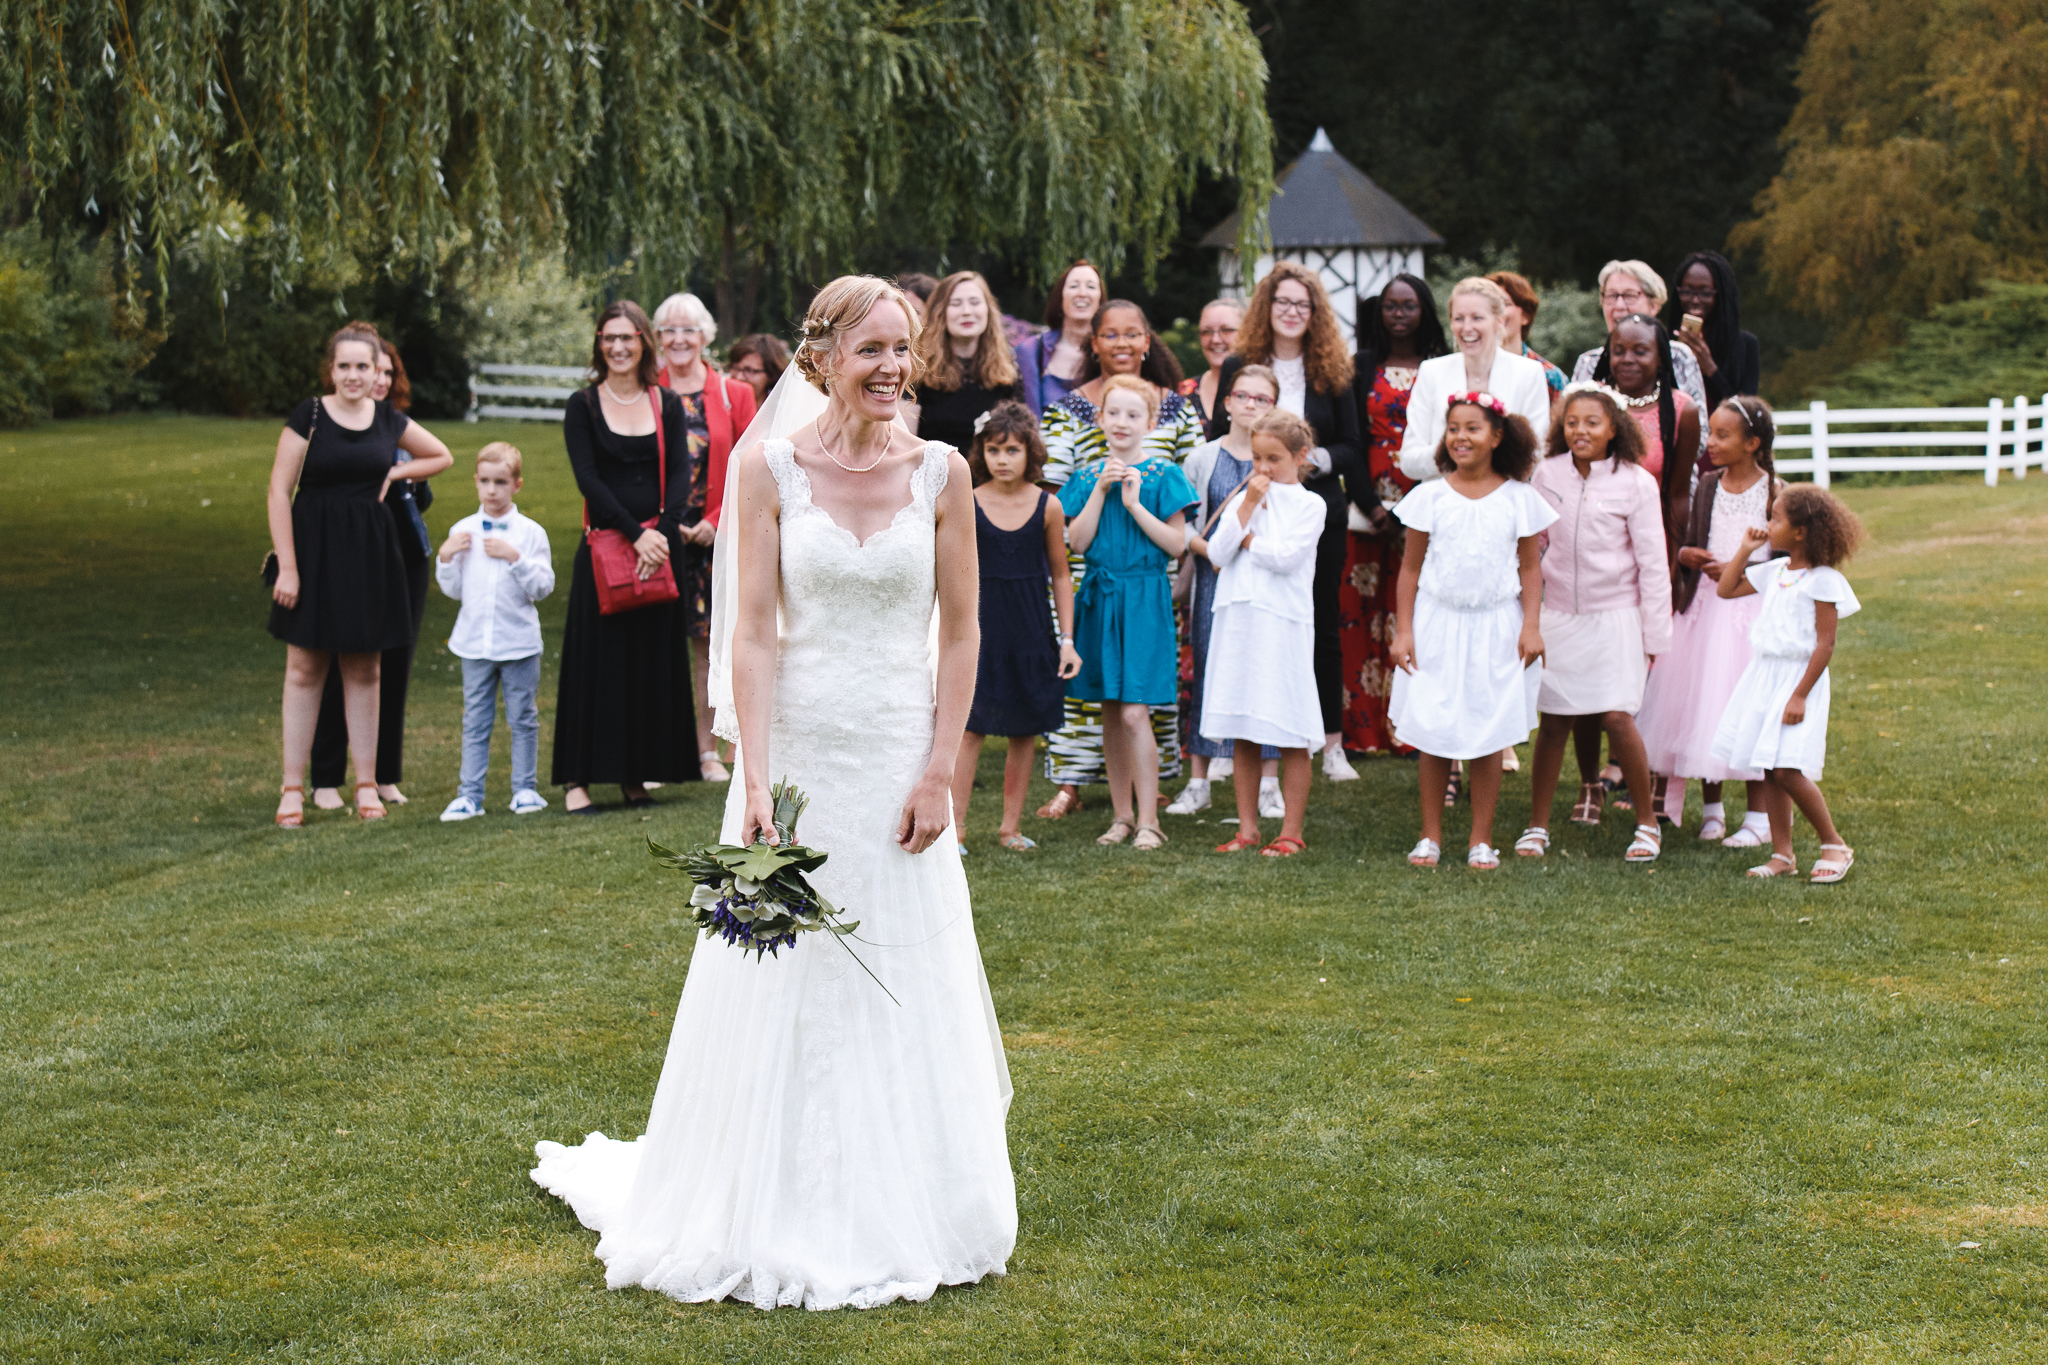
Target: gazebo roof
[[1326, 201]]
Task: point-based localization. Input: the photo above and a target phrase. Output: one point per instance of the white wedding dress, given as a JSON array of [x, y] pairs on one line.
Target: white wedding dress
[[812, 1142]]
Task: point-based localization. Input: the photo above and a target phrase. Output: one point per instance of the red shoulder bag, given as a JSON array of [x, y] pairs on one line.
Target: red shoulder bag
[[615, 564]]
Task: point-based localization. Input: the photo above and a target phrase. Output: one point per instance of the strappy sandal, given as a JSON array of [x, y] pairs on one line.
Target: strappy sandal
[[1239, 844], [374, 811], [1714, 827], [1118, 831], [1534, 843], [1286, 846], [1149, 837], [292, 819], [1828, 871], [1424, 854], [1789, 868], [1451, 789], [1747, 836], [1016, 842], [1063, 804], [1482, 858], [712, 768], [1645, 847], [1592, 796]]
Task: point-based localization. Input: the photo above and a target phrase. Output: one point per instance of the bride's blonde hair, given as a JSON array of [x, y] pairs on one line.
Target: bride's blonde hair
[[838, 308]]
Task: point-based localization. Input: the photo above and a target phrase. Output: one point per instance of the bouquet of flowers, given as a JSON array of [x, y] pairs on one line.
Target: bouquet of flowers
[[757, 897]]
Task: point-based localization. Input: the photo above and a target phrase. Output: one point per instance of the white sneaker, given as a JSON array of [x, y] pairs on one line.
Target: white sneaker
[[1272, 805], [1336, 767], [1220, 768], [461, 808], [525, 802], [1193, 797]]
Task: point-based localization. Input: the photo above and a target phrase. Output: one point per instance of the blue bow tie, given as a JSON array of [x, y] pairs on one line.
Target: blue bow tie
[[490, 525]]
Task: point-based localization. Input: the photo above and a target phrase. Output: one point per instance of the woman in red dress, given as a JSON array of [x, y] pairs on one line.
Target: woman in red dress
[[1397, 331]]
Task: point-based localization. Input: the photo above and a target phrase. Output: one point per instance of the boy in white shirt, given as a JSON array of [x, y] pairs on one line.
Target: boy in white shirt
[[497, 564]]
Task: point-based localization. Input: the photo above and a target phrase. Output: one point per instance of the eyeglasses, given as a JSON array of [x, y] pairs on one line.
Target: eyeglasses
[[679, 333], [1624, 296], [1296, 307], [1252, 400], [1218, 333], [611, 339], [1114, 337]]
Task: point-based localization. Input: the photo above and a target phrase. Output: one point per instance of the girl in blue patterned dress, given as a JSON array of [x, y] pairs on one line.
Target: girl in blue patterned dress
[[1123, 624]]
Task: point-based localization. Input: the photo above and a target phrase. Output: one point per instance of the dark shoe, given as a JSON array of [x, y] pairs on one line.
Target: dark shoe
[[592, 809]]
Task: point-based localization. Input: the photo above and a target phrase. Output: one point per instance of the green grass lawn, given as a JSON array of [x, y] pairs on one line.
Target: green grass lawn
[[275, 1095]]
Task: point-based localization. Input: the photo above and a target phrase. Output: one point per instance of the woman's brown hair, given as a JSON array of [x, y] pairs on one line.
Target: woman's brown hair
[[1832, 531], [772, 350], [400, 396], [650, 353], [995, 364], [352, 331], [1627, 443], [1514, 449], [1056, 301], [1325, 357], [1520, 293], [1008, 418]]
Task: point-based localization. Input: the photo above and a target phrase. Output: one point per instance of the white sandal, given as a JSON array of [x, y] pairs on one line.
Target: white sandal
[[1482, 857], [1827, 871], [1747, 836], [1534, 843], [711, 767], [1713, 827], [1424, 854], [1645, 847], [1772, 868]]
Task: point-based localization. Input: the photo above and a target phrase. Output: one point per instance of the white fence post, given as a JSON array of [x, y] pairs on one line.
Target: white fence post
[[1819, 408], [1994, 441], [2020, 419]]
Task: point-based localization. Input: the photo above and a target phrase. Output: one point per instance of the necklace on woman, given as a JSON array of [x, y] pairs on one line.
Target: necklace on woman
[[622, 402], [1652, 396], [843, 464]]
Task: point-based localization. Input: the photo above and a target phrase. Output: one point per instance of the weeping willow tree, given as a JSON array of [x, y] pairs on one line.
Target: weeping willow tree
[[311, 139]]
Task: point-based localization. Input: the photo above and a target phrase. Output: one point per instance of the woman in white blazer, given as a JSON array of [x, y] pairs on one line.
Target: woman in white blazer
[[1477, 307]]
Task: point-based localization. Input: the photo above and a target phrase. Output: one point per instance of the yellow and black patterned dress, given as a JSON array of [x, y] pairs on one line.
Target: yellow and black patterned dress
[[1072, 441]]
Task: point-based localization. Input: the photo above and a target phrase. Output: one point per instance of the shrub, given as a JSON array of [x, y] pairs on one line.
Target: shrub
[[1993, 345], [70, 342]]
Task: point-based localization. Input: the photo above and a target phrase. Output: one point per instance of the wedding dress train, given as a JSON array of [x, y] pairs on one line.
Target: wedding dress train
[[812, 1142]]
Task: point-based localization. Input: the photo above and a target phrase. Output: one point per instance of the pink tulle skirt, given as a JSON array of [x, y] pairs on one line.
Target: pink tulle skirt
[[1690, 686]]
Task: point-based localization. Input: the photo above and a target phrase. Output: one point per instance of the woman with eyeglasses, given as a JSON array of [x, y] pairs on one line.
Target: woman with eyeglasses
[[1217, 332], [716, 409], [1632, 287], [1291, 328], [624, 713], [1121, 342], [1398, 330], [1708, 322], [757, 360]]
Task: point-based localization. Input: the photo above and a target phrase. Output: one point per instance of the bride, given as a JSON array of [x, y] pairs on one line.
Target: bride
[[812, 1142]]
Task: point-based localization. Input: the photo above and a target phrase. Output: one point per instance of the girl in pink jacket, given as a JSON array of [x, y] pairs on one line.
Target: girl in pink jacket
[[1606, 608]]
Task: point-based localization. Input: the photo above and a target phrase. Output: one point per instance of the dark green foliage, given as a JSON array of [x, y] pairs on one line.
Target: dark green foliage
[[1995, 345], [1571, 133], [69, 343]]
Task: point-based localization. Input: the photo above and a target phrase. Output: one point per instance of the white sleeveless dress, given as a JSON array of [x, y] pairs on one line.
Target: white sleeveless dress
[[812, 1142]]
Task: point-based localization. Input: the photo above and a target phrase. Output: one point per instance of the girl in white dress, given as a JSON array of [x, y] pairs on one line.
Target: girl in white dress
[[1777, 721], [811, 1140], [1467, 644], [1259, 682]]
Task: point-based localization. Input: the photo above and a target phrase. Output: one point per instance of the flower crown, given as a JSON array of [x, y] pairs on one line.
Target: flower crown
[[1608, 391], [1478, 400]]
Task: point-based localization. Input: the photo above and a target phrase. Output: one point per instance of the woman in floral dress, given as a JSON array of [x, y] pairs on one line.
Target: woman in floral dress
[[1398, 330]]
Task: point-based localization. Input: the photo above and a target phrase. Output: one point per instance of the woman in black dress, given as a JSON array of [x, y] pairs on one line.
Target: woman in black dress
[[340, 594], [407, 503], [968, 364], [624, 713]]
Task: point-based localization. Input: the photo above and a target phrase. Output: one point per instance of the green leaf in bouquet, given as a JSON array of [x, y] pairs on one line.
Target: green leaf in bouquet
[[760, 863]]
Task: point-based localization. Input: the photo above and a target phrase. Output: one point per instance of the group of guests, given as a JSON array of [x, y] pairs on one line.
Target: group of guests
[[1154, 516]]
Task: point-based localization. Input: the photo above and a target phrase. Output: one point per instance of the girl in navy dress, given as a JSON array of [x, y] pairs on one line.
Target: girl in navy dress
[[1020, 688]]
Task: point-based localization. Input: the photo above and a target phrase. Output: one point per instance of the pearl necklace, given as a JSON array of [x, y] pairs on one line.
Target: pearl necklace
[[606, 389], [843, 464], [1652, 396]]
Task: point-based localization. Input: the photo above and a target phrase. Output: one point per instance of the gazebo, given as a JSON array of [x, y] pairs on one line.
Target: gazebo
[[1332, 218]]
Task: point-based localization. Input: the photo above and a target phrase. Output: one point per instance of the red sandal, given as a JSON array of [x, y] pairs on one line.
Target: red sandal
[[1286, 846], [1239, 844]]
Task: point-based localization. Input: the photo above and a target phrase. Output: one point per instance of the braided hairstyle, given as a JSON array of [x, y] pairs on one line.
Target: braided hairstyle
[[1676, 481], [1758, 421], [1722, 326]]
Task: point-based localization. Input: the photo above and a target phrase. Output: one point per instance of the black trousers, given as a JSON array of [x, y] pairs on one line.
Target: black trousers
[[330, 736], [1330, 549]]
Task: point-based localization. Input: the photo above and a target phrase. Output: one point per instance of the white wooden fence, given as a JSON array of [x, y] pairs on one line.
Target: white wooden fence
[[576, 376], [1994, 436]]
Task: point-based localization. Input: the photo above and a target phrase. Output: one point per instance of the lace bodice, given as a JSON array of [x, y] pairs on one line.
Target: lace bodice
[[1735, 513]]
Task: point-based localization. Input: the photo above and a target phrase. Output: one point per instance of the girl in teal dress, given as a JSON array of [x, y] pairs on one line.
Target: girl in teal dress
[[1127, 518]]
